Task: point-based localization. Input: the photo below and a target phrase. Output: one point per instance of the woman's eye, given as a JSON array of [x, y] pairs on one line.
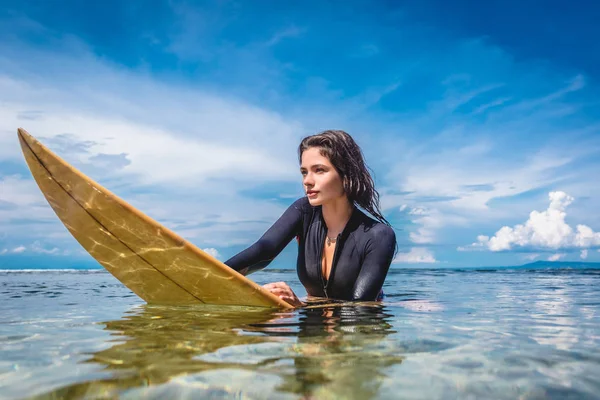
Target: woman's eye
[[319, 170]]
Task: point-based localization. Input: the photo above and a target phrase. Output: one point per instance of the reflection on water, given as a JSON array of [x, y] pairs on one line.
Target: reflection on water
[[335, 344], [306, 353]]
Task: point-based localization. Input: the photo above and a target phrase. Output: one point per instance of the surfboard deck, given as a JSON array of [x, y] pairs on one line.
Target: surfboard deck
[[152, 261]]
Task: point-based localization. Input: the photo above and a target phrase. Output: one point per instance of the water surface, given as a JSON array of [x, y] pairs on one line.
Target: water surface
[[503, 334]]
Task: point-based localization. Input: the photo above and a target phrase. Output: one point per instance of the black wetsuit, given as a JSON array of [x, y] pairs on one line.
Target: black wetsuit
[[362, 257]]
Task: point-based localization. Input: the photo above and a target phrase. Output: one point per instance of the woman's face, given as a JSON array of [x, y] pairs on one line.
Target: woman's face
[[321, 181]]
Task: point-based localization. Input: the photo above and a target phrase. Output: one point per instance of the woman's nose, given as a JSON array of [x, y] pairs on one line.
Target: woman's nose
[[308, 180]]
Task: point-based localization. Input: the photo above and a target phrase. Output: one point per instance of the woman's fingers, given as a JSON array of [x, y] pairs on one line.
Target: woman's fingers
[[281, 292], [276, 285], [292, 300], [286, 295]]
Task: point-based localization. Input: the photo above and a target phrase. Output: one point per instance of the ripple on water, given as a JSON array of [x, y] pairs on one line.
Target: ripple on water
[[16, 338], [227, 383]]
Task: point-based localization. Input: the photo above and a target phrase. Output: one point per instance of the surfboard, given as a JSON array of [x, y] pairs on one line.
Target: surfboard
[[152, 261]]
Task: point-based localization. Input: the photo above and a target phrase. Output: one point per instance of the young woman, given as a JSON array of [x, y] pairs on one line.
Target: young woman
[[343, 253]]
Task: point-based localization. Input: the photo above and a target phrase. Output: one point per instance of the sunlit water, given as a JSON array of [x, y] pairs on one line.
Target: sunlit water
[[495, 334]]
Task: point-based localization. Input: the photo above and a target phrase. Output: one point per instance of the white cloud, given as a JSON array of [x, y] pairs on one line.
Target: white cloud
[[556, 257], [418, 211], [414, 256], [477, 246], [18, 250], [17, 193], [531, 257], [15, 190], [429, 221], [583, 254], [543, 230], [37, 247], [212, 251], [160, 155]]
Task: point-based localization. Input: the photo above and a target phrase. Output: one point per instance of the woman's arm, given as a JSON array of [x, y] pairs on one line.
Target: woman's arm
[[261, 253], [378, 257]]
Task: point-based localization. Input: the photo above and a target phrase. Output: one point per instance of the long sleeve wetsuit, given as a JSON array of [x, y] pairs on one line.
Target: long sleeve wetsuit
[[362, 257]]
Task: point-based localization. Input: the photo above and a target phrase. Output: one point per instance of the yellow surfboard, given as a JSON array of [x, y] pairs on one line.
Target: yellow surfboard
[[152, 261]]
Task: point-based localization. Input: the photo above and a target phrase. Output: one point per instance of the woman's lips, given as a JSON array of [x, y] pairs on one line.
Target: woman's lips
[[311, 193]]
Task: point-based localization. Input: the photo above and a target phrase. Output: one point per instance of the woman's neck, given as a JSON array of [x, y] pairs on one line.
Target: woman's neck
[[336, 215]]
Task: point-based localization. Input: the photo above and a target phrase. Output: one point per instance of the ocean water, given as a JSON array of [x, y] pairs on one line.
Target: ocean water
[[439, 334]]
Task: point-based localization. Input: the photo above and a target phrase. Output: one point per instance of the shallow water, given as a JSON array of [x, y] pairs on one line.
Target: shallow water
[[449, 334]]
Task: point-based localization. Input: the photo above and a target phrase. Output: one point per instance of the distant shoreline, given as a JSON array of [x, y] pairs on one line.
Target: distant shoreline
[[558, 265]]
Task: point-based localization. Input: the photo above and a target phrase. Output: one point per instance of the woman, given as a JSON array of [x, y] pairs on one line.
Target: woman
[[343, 253]]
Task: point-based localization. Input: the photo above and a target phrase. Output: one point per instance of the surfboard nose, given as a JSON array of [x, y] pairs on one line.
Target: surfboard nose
[[30, 143], [25, 137]]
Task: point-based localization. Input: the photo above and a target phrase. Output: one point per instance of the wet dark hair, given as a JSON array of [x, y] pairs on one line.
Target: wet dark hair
[[348, 160]]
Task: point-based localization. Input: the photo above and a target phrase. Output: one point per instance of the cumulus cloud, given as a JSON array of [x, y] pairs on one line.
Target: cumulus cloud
[[583, 254], [543, 230], [416, 255], [212, 251], [556, 257]]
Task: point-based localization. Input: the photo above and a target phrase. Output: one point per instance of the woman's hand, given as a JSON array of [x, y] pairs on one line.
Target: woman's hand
[[284, 292]]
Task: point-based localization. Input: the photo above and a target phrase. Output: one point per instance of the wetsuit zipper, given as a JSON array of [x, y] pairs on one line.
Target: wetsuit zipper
[[337, 241], [320, 261], [337, 246]]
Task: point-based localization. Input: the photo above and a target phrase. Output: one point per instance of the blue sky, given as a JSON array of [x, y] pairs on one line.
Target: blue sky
[[480, 120]]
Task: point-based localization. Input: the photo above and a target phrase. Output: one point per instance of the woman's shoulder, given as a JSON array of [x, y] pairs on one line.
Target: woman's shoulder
[[302, 205], [375, 229], [301, 202], [383, 231]]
